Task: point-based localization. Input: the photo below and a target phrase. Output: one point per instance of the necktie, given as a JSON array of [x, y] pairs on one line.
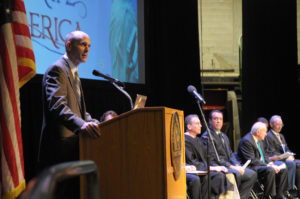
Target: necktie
[[278, 137], [260, 152], [77, 83], [221, 137]]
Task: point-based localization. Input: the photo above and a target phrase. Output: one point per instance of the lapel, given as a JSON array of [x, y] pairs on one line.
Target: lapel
[[79, 99], [275, 138], [277, 145], [257, 155], [219, 142], [216, 137], [282, 138]]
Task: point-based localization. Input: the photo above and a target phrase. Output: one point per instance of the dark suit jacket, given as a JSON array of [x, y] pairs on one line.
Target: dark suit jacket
[[273, 144], [63, 115], [247, 149], [224, 150]]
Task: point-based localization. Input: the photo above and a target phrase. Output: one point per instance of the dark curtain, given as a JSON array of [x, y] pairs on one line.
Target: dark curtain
[[270, 69]]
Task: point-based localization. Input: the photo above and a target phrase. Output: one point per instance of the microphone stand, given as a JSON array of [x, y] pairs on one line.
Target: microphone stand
[[120, 88], [209, 139]]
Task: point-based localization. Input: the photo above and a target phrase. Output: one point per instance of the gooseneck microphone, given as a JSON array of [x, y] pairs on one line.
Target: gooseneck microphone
[[109, 78], [193, 91], [114, 82]]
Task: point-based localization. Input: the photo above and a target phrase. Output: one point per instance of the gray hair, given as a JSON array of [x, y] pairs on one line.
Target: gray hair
[[257, 126], [274, 117], [188, 119], [75, 35]]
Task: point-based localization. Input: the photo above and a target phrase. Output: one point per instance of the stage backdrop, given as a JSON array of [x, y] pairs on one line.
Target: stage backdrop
[[114, 26]]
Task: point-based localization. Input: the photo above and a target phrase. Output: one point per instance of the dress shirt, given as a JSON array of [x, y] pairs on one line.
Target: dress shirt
[[74, 70], [220, 136], [262, 158]]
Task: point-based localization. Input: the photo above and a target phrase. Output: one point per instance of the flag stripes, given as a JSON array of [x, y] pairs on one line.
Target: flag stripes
[[12, 163], [17, 66]]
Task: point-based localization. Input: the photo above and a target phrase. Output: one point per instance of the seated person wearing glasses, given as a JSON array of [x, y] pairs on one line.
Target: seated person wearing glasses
[[276, 145]]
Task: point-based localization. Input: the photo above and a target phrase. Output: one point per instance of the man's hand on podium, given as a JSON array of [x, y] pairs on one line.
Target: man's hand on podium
[[92, 129]]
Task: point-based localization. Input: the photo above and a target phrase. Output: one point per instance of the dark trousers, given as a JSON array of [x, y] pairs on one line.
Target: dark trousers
[[297, 180], [274, 184], [291, 166], [244, 182], [293, 173], [196, 186], [64, 150]]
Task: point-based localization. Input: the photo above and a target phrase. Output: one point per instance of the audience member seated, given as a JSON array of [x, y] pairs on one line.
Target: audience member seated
[[108, 115], [263, 120], [273, 178], [245, 178], [276, 145]]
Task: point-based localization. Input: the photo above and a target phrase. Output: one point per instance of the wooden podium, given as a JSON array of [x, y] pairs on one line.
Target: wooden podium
[[139, 155]]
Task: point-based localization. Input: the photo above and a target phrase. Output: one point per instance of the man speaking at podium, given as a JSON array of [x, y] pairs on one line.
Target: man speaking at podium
[[64, 111]]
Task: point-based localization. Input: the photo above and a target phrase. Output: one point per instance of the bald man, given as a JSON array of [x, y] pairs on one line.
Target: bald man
[[64, 111]]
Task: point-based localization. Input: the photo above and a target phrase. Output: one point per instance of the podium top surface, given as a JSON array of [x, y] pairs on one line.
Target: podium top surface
[[166, 110]]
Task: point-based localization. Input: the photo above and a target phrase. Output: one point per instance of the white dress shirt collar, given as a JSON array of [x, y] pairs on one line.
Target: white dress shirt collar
[[72, 66]]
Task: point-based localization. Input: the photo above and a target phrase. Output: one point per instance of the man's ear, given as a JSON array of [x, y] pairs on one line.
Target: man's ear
[[188, 127], [68, 46]]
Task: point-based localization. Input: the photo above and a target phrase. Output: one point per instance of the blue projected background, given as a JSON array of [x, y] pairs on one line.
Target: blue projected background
[[111, 24]]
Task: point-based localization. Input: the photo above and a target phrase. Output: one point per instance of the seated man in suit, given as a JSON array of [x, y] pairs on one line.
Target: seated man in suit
[[245, 178], [251, 147], [277, 145], [195, 155]]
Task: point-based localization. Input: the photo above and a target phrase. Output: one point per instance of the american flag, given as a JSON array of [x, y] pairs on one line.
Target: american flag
[[17, 66]]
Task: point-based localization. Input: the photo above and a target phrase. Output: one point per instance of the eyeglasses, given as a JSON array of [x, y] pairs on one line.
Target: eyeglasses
[[279, 125]]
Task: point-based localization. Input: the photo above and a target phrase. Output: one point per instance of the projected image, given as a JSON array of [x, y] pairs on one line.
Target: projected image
[[111, 24], [123, 42]]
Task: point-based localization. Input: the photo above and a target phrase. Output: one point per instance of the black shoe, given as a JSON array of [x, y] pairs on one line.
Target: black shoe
[[294, 193], [288, 195]]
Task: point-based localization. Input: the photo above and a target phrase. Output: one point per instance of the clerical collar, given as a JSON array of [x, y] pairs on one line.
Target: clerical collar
[[72, 66]]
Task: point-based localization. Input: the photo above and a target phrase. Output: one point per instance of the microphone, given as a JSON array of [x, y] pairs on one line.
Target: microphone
[[111, 79], [193, 91]]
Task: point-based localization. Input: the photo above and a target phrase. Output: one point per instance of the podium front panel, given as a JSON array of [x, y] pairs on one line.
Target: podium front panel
[[133, 156]]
